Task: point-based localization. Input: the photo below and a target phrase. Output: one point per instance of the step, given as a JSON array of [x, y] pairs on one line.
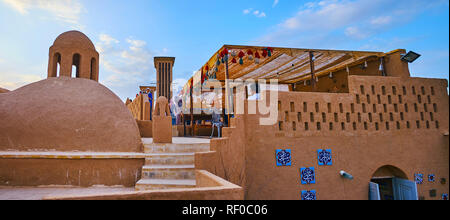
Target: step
[[178, 172], [170, 159], [180, 140], [175, 148], [153, 184]]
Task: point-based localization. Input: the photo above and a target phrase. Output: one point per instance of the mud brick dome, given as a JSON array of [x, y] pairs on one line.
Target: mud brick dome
[[66, 114], [73, 49], [2, 90]]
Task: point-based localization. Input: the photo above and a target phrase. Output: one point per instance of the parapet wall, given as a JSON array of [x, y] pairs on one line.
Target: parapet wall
[[140, 108], [62, 170], [374, 105], [209, 187]]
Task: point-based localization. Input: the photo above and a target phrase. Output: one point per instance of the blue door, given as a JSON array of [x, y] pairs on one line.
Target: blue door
[[404, 189], [374, 191]]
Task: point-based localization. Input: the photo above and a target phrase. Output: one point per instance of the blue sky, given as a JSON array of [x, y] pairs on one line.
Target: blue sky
[[128, 34]]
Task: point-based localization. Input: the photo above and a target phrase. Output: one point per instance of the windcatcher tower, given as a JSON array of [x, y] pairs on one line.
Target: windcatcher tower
[[73, 49], [164, 75]]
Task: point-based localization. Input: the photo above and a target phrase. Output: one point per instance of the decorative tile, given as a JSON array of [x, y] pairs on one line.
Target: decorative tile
[[433, 193], [308, 175], [283, 158], [443, 181], [324, 157], [309, 195], [431, 178], [445, 196], [418, 177]]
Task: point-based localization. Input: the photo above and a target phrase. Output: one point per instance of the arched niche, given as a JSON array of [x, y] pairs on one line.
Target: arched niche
[[93, 69], [76, 62], [56, 65]]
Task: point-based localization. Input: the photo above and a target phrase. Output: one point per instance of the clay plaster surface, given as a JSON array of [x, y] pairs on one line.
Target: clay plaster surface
[[38, 193], [66, 114]]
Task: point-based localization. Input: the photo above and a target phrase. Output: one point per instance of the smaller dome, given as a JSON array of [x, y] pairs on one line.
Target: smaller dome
[[74, 39]]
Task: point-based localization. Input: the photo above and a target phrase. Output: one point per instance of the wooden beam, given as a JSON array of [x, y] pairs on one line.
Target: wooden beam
[[268, 74], [313, 78], [348, 62], [298, 68], [291, 79]]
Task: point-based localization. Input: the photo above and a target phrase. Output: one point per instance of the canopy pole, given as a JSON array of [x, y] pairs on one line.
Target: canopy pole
[[192, 112], [227, 91], [313, 77]]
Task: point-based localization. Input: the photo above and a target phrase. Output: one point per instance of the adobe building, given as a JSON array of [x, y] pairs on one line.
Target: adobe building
[[73, 49], [349, 125], [54, 132], [70, 131], [164, 76]]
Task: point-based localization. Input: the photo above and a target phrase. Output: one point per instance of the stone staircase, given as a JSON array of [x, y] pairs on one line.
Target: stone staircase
[[170, 165]]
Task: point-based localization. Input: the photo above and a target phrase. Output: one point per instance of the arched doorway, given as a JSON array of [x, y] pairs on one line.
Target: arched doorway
[[391, 183]]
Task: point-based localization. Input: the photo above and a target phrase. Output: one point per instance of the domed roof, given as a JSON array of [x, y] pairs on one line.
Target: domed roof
[[74, 39], [67, 114], [2, 90]]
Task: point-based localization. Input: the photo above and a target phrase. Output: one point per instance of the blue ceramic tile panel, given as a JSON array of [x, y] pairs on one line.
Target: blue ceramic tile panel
[[324, 157], [308, 175], [418, 177], [309, 195], [431, 178], [283, 158], [445, 196]]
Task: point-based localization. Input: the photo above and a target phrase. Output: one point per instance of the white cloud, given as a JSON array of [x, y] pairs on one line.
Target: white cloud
[[382, 20], [355, 32], [275, 3], [127, 65], [12, 81], [107, 39], [136, 43], [328, 22], [257, 13], [66, 11]]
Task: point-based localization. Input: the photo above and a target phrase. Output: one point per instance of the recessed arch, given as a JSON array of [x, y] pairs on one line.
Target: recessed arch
[[391, 183], [93, 70], [56, 65], [389, 171], [76, 62]]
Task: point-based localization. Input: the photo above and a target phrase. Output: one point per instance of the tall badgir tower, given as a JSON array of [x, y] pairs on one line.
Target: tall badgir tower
[[73, 49], [164, 76]]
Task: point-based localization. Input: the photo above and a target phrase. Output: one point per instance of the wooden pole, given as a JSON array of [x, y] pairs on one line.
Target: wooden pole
[[227, 91], [192, 112], [313, 77], [383, 70]]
